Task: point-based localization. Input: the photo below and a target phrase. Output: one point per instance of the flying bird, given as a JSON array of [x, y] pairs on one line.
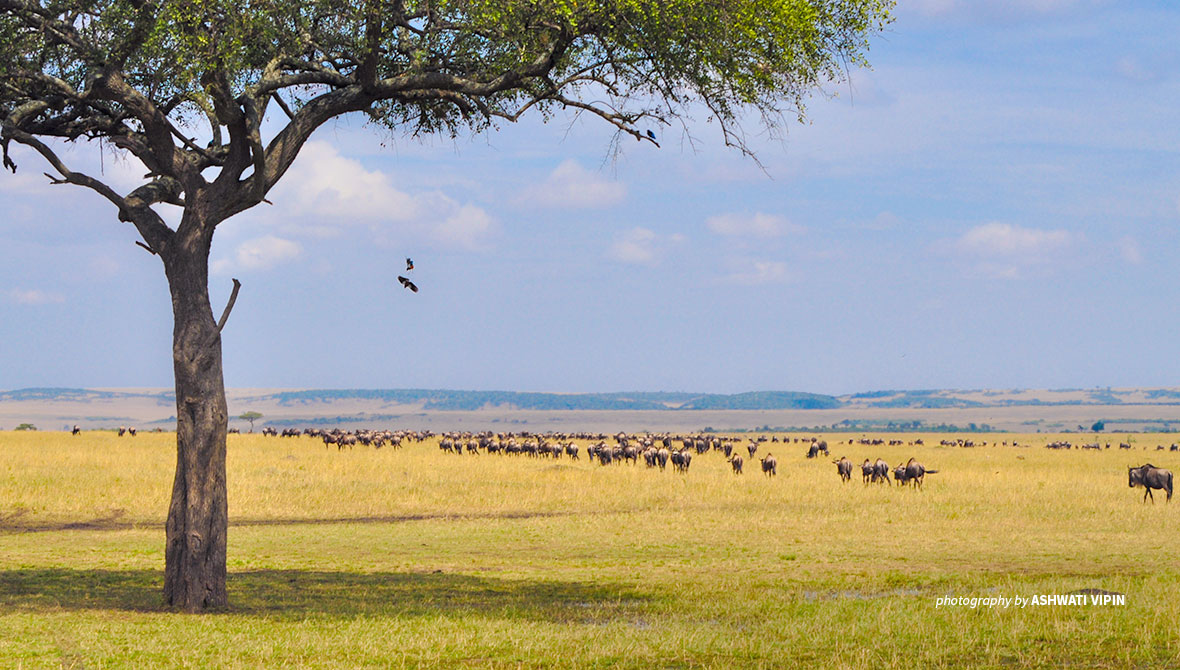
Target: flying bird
[[408, 284], [409, 264]]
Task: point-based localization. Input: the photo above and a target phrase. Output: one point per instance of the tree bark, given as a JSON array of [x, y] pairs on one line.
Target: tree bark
[[194, 564]]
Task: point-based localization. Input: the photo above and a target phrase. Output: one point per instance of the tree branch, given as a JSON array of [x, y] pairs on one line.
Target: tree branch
[[233, 297], [135, 208], [10, 132]]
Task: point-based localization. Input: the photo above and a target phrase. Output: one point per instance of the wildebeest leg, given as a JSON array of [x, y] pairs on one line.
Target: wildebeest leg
[[1145, 495]]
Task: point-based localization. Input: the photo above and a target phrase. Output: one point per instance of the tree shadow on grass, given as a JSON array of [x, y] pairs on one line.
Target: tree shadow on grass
[[298, 594]]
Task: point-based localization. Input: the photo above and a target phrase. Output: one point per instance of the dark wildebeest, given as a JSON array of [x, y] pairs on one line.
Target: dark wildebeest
[[844, 468], [915, 472], [76, 430], [899, 474], [866, 471], [1150, 477], [881, 471], [736, 462], [813, 450], [769, 465]]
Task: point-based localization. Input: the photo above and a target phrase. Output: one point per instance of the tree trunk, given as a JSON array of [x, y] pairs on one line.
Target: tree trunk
[[194, 564]]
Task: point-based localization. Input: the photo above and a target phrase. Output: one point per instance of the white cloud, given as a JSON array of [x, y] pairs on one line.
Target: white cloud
[[1130, 251], [1007, 251], [752, 225], [324, 190], [641, 246], [261, 253], [760, 272], [995, 9], [34, 297], [1005, 239], [465, 227], [635, 247], [324, 184], [570, 186]]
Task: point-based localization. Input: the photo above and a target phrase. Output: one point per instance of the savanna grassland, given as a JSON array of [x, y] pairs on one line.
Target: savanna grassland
[[414, 558]]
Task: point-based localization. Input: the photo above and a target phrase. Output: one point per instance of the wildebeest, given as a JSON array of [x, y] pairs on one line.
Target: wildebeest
[[1150, 477], [769, 465], [867, 471], [844, 468], [736, 462], [899, 474], [915, 472], [881, 471], [76, 430]]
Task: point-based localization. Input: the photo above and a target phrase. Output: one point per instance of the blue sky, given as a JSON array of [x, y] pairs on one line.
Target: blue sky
[[995, 204]]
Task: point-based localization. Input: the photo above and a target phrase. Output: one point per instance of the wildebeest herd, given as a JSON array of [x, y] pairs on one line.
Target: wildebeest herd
[[877, 472], [658, 450]]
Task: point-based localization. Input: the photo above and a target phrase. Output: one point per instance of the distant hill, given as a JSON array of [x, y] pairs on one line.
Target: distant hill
[[974, 409], [79, 395], [473, 400], [453, 400]]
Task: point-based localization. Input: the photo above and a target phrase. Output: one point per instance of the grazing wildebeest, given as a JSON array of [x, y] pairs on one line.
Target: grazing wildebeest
[[131, 431], [844, 468], [915, 472], [813, 450], [866, 471], [76, 430], [769, 465], [1150, 477], [899, 474], [122, 430], [662, 456], [736, 462]]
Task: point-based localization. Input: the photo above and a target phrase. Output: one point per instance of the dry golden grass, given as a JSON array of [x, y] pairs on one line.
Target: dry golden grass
[[413, 557]]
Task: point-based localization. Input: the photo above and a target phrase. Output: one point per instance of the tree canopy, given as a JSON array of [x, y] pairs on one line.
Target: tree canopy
[[154, 76]]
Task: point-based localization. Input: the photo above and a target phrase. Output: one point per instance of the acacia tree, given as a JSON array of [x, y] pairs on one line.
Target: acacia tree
[[250, 416], [216, 98]]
